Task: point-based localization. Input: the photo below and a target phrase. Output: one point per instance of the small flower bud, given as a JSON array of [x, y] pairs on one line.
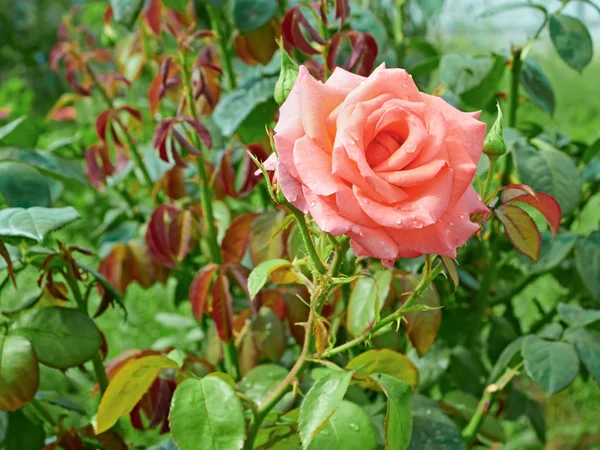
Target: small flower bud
[[494, 145], [287, 76]]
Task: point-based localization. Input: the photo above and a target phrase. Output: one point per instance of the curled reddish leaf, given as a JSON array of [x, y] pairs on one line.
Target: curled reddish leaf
[[545, 204], [152, 15], [77, 87], [272, 299], [293, 27], [199, 129], [114, 267], [108, 15], [133, 112], [102, 122], [222, 309], [239, 274], [521, 230], [173, 183], [157, 235], [514, 190], [98, 165], [363, 55], [235, 241], [342, 10], [199, 290]]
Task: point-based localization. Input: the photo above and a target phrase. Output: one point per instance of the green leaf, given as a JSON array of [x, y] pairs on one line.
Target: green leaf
[[592, 170], [234, 107], [576, 316], [554, 251], [19, 373], [587, 345], [463, 405], [249, 15], [178, 5], [366, 301], [552, 332], [61, 337], [268, 333], [320, 403], [126, 11], [24, 432], [261, 381], [5, 130], [287, 76], [431, 8], [474, 79], [207, 412], [33, 224], [549, 171], [260, 274], [398, 419], [23, 187], [385, 361], [432, 429], [349, 428], [552, 365], [46, 163], [510, 6], [572, 40], [538, 86], [587, 260], [127, 387], [506, 358]]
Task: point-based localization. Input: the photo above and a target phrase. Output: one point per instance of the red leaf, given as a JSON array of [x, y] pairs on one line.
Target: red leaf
[[236, 238], [342, 9], [521, 230], [184, 143], [153, 14], [221, 308], [154, 94], [180, 235], [199, 290], [157, 236], [240, 274], [108, 14], [6, 256], [515, 190], [200, 130], [273, 299], [102, 122], [133, 112], [544, 203], [162, 403]]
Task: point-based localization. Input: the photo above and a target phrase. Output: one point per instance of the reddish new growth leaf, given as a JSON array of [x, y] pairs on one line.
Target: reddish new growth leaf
[[222, 309], [170, 132], [227, 172], [295, 28], [199, 290], [258, 46], [152, 16], [155, 404], [521, 230], [363, 55], [235, 241], [169, 235], [544, 203], [99, 165], [342, 10]]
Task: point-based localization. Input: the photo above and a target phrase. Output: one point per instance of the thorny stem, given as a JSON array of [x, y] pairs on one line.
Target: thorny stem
[[307, 239], [132, 146], [98, 366], [490, 393], [216, 25]]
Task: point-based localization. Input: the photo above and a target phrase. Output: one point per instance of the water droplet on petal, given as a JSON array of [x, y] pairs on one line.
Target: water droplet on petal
[[478, 197], [451, 224], [398, 222], [364, 200], [462, 216], [313, 203], [362, 83], [355, 229], [417, 224]]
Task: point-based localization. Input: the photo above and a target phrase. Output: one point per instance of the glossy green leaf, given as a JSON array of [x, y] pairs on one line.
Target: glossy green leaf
[[587, 345], [587, 260], [554, 251], [207, 412], [537, 85], [349, 428], [5, 130], [126, 11], [260, 274], [521, 230], [549, 171], [320, 403], [61, 337], [398, 419], [432, 429], [367, 298], [19, 373], [24, 432], [24, 187], [463, 406], [33, 224], [576, 316], [127, 387], [46, 163], [249, 15], [552, 365], [261, 381], [384, 361], [572, 40]]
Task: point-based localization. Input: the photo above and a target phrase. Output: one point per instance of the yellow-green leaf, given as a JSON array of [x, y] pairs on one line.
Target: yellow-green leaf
[[127, 388], [521, 230], [384, 361]]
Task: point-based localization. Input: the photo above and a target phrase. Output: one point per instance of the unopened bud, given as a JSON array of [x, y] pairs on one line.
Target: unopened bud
[[494, 145], [287, 76]]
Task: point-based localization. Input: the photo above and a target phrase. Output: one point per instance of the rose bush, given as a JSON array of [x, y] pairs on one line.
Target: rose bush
[[381, 162]]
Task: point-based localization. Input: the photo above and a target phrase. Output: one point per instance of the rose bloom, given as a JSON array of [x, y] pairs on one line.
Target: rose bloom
[[377, 160]]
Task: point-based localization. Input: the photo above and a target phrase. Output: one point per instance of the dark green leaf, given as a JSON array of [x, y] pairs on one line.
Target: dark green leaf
[[126, 11], [463, 405], [19, 373], [207, 413], [61, 337], [366, 301], [178, 5], [551, 332], [33, 224], [320, 403], [587, 259], [576, 316], [572, 40], [552, 365], [432, 429], [24, 432], [22, 186], [538, 86], [46, 163], [554, 251], [349, 428], [398, 418], [587, 344], [249, 15], [549, 171], [287, 76], [431, 8], [505, 359]]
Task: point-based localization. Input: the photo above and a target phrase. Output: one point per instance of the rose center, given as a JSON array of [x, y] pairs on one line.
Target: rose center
[[385, 144]]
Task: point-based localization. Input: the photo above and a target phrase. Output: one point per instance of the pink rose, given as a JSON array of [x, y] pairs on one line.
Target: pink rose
[[377, 160]]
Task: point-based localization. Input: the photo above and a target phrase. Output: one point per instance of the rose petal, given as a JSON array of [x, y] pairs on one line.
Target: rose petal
[[342, 79], [374, 242], [416, 176], [291, 188], [326, 214], [314, 167]]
